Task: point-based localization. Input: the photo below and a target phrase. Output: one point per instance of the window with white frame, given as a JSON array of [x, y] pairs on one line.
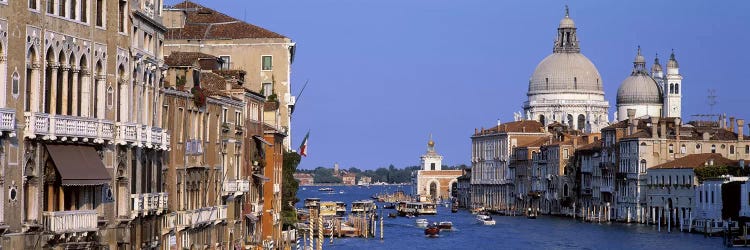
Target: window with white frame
[[237, 118], [50, 6], [267, 62], [224, 115], [122, 15], [100, 13], [33, 4], [267, 89], [225, 62], [84, 11], [14, 84]]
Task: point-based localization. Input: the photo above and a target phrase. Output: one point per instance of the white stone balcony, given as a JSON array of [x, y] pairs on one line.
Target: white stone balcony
[[148, 204], [236, 187], [183, 219], [204, 215], [222, 213], [8, 121], [70, 221], [142, 136], [63, 127]]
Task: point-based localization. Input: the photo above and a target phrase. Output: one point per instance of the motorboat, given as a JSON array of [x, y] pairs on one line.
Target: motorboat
[[422, 223], [454, 209], [326, 190], [485, 220], [432, 231], [530, 214], [445, 225], [389, 206], [392, 215]]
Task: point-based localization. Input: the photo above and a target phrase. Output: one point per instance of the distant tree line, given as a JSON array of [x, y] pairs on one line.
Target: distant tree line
[[391, 174]]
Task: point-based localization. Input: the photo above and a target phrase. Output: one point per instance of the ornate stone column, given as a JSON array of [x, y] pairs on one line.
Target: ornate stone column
[[3, 82], [85, 97], [64, 107], [74, 110], [53, 88], [123, 103], [99, 99], [35, 104]]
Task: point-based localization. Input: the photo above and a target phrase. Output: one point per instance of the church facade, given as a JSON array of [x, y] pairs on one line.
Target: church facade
[[432, 183]]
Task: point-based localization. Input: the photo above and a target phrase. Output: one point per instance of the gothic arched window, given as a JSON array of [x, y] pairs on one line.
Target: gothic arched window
[[676, 88]]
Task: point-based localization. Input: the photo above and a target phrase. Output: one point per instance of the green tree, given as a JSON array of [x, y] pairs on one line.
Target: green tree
[[289, 189]]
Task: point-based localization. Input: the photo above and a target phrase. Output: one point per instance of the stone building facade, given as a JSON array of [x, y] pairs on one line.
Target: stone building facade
[[431, 182], [265, 55], [492, 177], [82, 142]]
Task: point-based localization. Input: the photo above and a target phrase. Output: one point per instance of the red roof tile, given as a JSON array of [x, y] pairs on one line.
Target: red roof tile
[[697, 160], [206, 23]]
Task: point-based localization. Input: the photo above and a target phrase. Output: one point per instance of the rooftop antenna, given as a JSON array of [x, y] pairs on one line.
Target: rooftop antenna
[[711, 99]]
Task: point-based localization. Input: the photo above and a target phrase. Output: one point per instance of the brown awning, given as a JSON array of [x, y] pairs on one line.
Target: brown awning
[[78, 165]]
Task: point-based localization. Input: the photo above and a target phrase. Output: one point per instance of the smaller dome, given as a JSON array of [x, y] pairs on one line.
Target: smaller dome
[[639, 58], [567, 22], [639, 89], [672, 63], [657, 66]]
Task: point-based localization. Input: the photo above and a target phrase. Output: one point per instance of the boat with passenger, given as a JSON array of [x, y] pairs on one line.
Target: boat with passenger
[[363, 206], [326, 190], [485, 220], [422, 223], [432, 231], [445, 225]]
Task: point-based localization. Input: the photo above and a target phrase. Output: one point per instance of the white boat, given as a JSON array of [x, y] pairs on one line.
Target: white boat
[[422, 223], [485, 220]]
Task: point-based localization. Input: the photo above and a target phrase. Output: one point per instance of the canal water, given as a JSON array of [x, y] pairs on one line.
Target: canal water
[[509, 233]]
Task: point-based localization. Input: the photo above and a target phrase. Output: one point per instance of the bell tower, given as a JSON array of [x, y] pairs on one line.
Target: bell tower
[[673, 89]]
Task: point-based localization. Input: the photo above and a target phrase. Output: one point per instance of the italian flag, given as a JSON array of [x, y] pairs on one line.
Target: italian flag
[[303, 146]]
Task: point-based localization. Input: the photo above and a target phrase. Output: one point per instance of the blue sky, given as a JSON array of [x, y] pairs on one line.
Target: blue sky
[[385, 74]]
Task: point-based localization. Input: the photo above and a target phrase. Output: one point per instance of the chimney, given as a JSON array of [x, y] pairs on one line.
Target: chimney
[[731, 124], [740, 129], [631, 121], [654, 124], [498, 122]]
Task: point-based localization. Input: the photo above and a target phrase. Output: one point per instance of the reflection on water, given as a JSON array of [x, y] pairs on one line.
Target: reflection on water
[[509, 233]]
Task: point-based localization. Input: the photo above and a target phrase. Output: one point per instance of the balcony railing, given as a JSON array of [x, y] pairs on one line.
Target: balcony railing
[[236, 187], [204, 215], [222, 212], [8, 121], [50, 127], [70, 221], [150, 203], [142, 135], [606, 189]]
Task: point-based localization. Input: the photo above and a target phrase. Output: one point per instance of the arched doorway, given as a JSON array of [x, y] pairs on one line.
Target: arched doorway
[[581, 122], [433, 190]]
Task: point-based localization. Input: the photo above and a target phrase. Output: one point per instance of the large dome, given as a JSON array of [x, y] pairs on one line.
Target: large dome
[[639, 89], [564, 73]]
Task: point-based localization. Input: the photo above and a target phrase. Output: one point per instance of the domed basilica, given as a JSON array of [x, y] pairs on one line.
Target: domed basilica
[[566, 87]]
